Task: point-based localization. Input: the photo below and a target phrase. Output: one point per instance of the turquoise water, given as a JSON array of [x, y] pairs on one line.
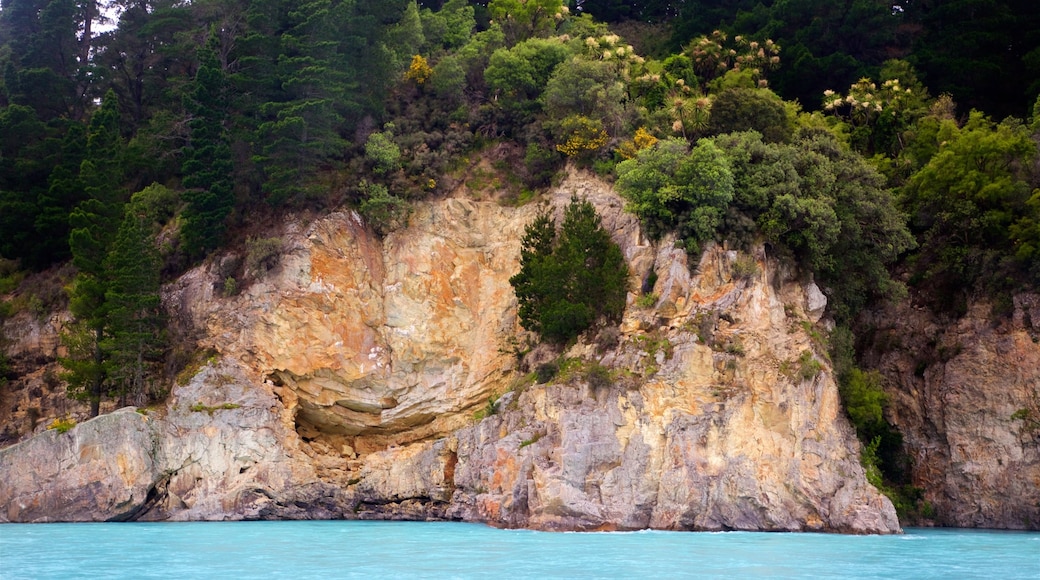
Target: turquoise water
[[339, 549]]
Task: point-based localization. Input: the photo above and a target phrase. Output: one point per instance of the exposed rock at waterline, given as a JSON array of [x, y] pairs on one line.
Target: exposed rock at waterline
[[101, 470], [966, 396]]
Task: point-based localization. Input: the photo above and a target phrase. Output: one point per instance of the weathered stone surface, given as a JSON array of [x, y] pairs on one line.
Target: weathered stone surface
[[348, 378], [227, 451], [954, 389], [102, 469], [707, 439]]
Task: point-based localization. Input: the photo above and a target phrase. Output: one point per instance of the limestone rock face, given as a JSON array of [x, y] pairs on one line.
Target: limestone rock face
[[385, 340], [227, 453], [33, 395], [348, 382], [966, 396], [663, 430], [100, 470]]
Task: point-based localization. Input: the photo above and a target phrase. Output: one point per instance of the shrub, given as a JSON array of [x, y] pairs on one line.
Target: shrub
[[580, 137], [759, 110], [805, 368], [230, 286], [62, 425], [672, 188], [745, 267], [597, 376], [381, 150], [419, 71], [262, 254], [647, 300], [381, 210], [209, 409], [864, 400], [546, 372]]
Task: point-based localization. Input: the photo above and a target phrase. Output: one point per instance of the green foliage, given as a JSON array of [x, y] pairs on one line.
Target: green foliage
[[546, 372], [84, 368], [565, 283], [230, 286], [95, 225], [517, 76], [879, 117], [199, 360], [382, 152], [449, 28], [864, 401], [490, 408], [534, 439], [647, 300], [973, 208], [1029, 415], [597, 376], [743, 109], [825, 206], [207, 167], [522, 19], [594, 84], [868, 458], [62, 424], [745, 267], [804, 368], [671, 188], [210, 409], [134, 338], [383, 211], [157, 204], [719, 54]]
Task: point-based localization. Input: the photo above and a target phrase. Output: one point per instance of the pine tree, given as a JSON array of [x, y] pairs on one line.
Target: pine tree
[[301, 130], [207, 165], [134, 338], [567, 281], [93, 224]]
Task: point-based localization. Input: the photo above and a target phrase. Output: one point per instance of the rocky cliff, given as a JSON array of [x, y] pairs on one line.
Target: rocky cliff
[[965, 394], [384, 379]]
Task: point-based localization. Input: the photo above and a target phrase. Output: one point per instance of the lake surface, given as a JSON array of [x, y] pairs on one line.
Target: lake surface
[[349, 549]]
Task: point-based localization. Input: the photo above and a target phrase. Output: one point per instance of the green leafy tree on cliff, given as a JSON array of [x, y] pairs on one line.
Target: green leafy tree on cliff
[[672, 188], [567, 281]]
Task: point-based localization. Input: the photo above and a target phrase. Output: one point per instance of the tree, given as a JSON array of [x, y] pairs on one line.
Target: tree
[[822, 205], [134, 337], [146, 58], [42, 51], [517, 76], [672, 188], [301, 127], [568, 281], [23, 176], [750, 110], [587, 88], [971, 205], [993, 64], [207, 164], [449, 28], [523, 19], [94, 224]]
